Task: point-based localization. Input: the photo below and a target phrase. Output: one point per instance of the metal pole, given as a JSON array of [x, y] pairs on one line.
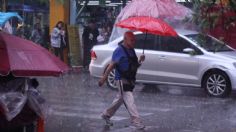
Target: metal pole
[[144, 41], [4, 5], [81, 9], [124, 3]]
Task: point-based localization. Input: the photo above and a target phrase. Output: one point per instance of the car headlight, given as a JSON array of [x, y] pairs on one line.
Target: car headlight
[[234, 64]]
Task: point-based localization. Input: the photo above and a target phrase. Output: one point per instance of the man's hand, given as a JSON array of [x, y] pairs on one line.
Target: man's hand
[[104, 77], [141, 58], [101, 81]]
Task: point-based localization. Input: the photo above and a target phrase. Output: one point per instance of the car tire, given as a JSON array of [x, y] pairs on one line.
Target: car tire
[[111, 83], [217, 84]]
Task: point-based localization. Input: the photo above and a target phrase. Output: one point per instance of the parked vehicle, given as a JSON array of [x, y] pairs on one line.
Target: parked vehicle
[[191, 59]]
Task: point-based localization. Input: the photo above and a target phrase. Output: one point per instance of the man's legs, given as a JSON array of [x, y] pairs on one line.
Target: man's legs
[[86, 54], [131, 107], [109, 112], [128, 100], [117, 102], [56, 51], [61, 49]]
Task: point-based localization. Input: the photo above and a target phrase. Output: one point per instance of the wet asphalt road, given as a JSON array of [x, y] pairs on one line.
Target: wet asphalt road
[[76, 103]]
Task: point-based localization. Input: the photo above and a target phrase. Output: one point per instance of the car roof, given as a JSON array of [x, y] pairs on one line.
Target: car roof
[[179, 31], [186, 31]]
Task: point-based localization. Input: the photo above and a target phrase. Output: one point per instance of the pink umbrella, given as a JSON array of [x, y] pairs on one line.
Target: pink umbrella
[[164, 9], [25, 58]]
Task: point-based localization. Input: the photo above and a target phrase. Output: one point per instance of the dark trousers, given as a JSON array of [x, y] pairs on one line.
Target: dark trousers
[[15, 129], [59, 52], [86, 56], [28, 128]]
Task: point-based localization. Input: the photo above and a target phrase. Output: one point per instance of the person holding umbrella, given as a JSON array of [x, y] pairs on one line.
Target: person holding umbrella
[[126, 63]]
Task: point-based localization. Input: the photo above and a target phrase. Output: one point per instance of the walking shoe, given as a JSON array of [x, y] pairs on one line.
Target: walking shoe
[[107, 120], [139, 126]]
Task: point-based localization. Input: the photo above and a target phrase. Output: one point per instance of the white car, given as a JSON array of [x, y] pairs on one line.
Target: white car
[[191, 59]]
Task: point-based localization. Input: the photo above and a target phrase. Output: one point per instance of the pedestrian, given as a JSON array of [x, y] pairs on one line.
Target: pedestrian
[[103, 36], [46, 37], [58, 39], [20, 31], [32, 88], [126, 63], [89, 38], [37, 35], [20, 117]]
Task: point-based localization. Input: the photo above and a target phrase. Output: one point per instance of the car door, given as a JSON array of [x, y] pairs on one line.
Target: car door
[[174, 65], [148, 72]]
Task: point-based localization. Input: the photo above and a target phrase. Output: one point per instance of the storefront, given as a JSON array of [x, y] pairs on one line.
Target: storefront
[[31, 13]]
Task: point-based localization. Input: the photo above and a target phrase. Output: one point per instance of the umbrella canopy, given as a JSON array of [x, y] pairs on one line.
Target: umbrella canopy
[[164, 9], [5, 16], [148, 25], [25, 58], [168, 10]]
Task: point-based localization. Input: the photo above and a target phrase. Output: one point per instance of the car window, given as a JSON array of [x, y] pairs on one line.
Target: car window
[[209, 43], [182, 43], [151, 42], [169, 44], [176, 44]]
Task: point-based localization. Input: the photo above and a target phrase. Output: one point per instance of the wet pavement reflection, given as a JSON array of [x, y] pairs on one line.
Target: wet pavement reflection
[[76, 103]]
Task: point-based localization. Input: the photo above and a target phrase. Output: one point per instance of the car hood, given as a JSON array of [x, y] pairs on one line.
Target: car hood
[[229, 54]]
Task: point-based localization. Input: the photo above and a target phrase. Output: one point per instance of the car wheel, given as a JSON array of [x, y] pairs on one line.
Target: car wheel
[[111, 83], [217, 84]]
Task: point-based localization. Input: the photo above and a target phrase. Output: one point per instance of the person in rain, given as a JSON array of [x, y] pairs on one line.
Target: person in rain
[[103, 36], [89, 38], [58, 39], [37, 35], [7, 28], [20, 31], [126, 63], [46, 36], [33, 84]]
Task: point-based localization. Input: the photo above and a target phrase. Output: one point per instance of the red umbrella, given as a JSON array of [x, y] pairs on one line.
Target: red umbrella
[[148, 25], [25, 58]]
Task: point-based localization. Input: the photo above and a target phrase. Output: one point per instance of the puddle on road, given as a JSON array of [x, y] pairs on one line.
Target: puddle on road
[[175, 91]]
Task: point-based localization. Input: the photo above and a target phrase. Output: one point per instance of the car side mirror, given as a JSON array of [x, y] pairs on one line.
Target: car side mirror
[[189, 51]]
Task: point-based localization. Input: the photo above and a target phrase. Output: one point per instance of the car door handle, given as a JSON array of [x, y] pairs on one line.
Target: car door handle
[[162, 57]]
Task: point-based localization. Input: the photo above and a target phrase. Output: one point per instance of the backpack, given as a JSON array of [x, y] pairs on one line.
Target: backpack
[[130, 74]]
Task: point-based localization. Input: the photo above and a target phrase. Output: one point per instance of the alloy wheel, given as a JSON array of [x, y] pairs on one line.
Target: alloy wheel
[[111, 80], [216, 84]]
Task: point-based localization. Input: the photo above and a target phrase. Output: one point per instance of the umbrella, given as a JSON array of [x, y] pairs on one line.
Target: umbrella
[[5, 16], [164, 9], [25, 58], [168, 10], [148, 25]]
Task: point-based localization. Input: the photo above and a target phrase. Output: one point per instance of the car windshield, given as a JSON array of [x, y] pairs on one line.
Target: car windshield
[[209, 43]]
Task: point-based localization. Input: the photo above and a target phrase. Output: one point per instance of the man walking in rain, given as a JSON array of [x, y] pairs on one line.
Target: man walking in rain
[[126, 63]]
